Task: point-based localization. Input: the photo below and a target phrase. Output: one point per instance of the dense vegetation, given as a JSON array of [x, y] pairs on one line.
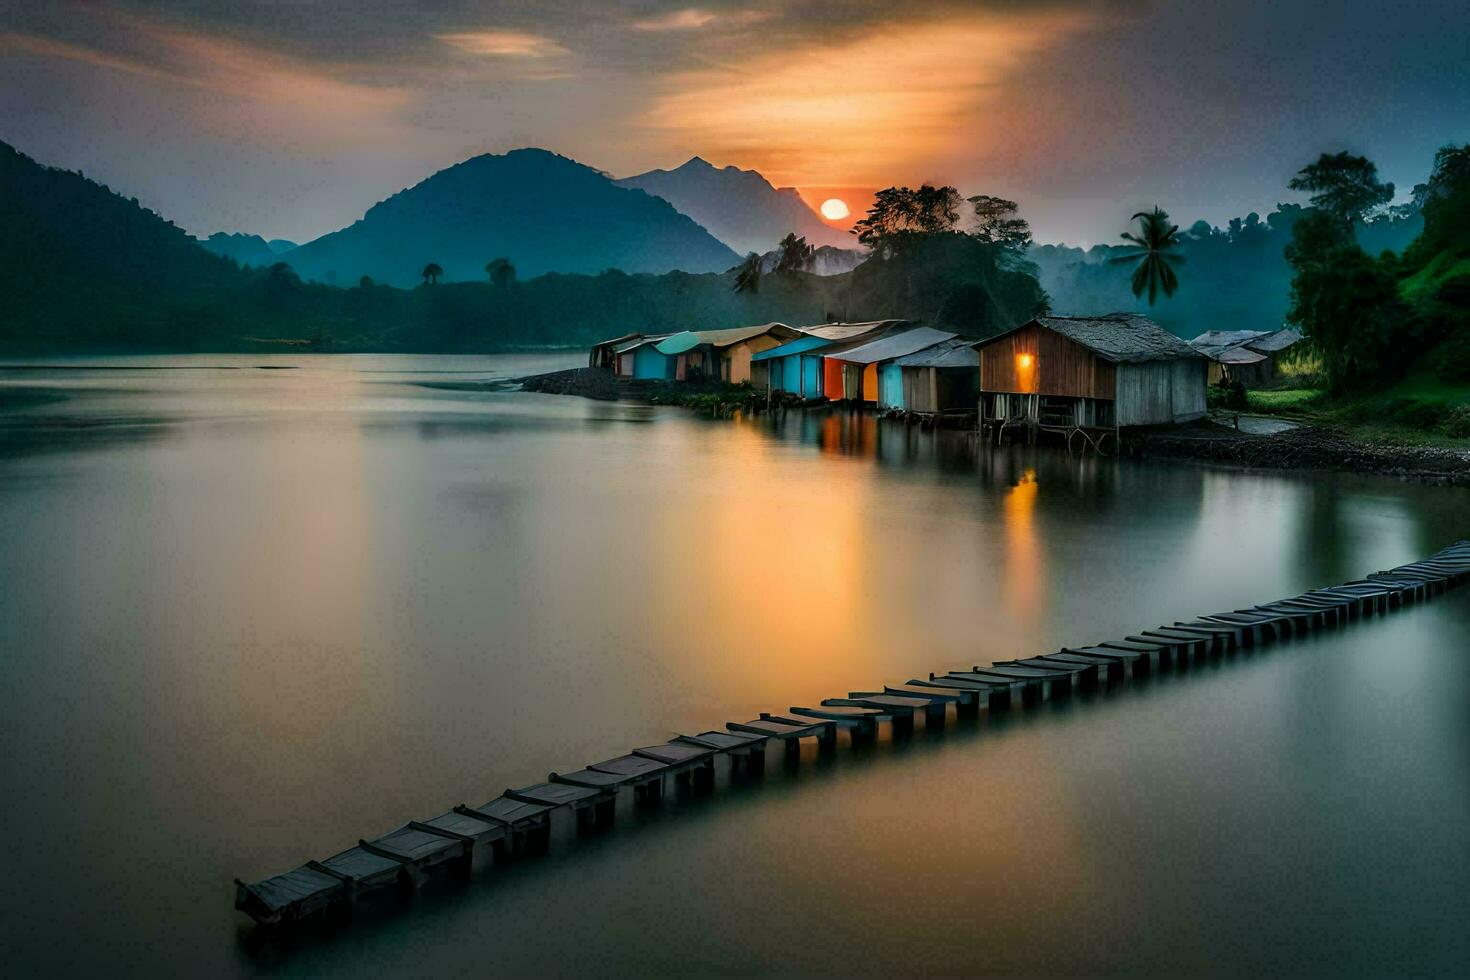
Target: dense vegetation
[[1231, 278], [1371, 318], [84, 269], [1391, 332]]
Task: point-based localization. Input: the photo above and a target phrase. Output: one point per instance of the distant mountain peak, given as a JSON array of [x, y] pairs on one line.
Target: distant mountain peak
[[739, 207], [543, 211]]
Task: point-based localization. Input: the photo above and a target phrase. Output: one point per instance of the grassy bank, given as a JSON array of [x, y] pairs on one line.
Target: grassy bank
[[1418, 411]]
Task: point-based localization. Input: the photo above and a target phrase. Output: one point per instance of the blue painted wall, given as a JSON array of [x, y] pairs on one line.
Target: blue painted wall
[[811, 376], [791, 373], [649, 363], [890, 386]]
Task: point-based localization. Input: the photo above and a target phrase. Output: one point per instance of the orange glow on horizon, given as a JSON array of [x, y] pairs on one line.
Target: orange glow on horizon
[[799, 115]]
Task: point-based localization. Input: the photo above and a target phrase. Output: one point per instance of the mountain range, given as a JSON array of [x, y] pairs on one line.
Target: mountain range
[[739, 207], [542, 211], [826, 260], [247, 249]]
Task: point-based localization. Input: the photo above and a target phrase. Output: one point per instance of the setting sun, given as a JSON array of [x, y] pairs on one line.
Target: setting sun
[[834, 209]]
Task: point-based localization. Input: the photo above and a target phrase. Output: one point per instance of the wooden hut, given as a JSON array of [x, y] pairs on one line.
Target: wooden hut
[[625, 355], [1252, 357], [858, 367], [1070, 374], [783, 368], [725, 355], [798, 366], [644, 359], [604, 353], [944, 378]]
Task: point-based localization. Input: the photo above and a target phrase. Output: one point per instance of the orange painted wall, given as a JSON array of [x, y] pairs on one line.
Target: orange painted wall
[[831, 378]]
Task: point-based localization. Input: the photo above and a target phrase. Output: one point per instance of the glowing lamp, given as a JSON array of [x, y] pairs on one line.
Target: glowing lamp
[[1023, 361]]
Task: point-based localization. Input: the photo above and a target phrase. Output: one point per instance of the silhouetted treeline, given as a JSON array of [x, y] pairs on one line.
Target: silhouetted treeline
[[84, 269]]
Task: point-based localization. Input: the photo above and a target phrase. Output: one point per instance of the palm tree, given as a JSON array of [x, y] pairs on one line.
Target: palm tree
[[748, 274], [1153, 252], [432, 272]]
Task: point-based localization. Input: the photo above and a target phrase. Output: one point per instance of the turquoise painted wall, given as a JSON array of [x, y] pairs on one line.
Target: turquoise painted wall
[[791, 373], [811, 377], [649, 363], [890, 386]]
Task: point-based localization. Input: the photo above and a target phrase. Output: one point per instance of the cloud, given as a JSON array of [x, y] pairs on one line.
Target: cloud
[[695, 18], [503, 44], [46, 47], [877, 106], [196, 60]]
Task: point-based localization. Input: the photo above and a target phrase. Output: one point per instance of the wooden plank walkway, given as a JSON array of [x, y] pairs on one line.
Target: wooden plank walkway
[[518, 822]]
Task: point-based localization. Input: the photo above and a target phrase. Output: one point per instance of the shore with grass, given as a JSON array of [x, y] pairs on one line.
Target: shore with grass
[[1416, 429]]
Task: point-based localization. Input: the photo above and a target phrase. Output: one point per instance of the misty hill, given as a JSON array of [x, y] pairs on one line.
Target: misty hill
[[739, 207], [81, 264], [542, 211], [827, 260], [247, 249], [1233, 278]]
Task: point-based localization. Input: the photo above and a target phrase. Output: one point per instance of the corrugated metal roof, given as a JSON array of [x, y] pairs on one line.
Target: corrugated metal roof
[[612, 341], [801, 345], [678, 343], [1116, 337], [894, 345], [848, 331], [734, 335], [957, 352], [637, 342]]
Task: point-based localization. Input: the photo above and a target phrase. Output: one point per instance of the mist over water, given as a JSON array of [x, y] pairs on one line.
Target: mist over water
[[249, 615]]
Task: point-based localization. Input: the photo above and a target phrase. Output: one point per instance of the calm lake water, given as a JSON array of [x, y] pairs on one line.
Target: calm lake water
[[250, 615]]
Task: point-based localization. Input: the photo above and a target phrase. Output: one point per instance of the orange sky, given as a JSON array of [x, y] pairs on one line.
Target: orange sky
[[234, 117]]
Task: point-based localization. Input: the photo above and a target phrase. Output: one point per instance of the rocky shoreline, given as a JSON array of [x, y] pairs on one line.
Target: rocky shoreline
[[586, 382], [1306, 448]]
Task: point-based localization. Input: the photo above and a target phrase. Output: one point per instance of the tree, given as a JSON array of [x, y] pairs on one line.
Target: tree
[[1343, 185], [748, 274], [996, 223], [432, 272], [1153, 254], [1346, 303], [1446, 198], [366, 282], [900, 215], [501, 273], [794, 254]]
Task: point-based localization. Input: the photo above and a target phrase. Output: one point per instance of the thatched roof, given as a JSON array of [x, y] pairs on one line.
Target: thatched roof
[[1216, 343]]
